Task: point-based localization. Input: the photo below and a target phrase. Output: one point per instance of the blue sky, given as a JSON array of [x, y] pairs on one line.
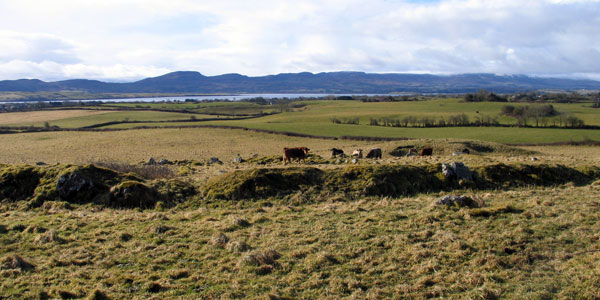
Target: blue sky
[[125, 40]]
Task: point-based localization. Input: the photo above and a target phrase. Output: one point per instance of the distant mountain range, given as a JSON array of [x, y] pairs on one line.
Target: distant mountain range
[[332, 82]]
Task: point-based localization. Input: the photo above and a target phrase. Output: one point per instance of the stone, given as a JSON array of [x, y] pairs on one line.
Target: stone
[[70, 185], [457, 170], [238, 159], [534, 158], [214, 160], [40, 163], [354, 161], [151, 161], [164, 162]]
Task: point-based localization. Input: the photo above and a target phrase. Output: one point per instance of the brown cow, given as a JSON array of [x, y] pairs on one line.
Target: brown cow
[[374, 153], [299, 153], [426, 152]]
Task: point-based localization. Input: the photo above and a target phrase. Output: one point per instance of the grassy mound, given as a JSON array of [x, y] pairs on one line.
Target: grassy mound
[[502, 175], [87, 184], [262, 183], [385, 180], [447, 147]]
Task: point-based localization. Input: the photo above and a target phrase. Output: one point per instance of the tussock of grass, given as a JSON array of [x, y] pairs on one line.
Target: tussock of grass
[[97, 295], [15, 262], [51, 236]]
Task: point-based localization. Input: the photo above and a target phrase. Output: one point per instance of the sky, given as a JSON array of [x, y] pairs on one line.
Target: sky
[[127, 40]]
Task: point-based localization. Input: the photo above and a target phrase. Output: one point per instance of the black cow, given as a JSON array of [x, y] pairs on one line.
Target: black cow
[[335, 152], [374, 153]]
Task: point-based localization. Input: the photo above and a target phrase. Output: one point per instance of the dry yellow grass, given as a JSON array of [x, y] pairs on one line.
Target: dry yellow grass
[[45, 116], [137, 145], [133, 146]]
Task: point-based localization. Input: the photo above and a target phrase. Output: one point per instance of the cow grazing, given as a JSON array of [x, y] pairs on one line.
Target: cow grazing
[[358, 153], [426, 152], [412, 152], [374, 153], [335, 152], [298, 153]]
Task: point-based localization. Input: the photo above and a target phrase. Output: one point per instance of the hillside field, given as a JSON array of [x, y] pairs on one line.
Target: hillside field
[[85, 217], [315, 118]]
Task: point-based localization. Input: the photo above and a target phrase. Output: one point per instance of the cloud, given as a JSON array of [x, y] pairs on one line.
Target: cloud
[[132, 39]]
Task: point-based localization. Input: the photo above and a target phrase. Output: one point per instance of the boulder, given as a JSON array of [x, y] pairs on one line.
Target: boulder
[[354, 161], [457, 170], [151, 161], [238, 159], [70, 185], [214, 160], [164, 162]]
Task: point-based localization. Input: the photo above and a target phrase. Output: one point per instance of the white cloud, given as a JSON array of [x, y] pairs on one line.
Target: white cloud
[[132, 39]]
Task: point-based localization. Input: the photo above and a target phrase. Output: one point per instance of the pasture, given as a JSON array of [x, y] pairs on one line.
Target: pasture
[[328, 228]]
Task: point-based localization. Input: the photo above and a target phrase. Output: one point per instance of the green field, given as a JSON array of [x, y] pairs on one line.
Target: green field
[[218, 107], [85, 215], [77, 122], [315, 118]]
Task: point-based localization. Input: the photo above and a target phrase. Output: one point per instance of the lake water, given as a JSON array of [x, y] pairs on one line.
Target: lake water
[[215, 97]]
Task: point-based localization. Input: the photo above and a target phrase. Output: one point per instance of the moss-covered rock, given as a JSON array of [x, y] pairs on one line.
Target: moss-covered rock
[[132, 194], [174, 191]]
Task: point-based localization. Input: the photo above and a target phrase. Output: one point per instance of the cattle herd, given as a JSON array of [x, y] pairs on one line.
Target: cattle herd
[[300, 153]]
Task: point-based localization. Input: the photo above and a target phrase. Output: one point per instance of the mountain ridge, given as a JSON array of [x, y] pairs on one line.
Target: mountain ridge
[[306, 82]]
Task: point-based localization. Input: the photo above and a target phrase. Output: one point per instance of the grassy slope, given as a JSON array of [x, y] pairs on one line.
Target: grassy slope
[[76, 122], [542, 247], [315, 119]]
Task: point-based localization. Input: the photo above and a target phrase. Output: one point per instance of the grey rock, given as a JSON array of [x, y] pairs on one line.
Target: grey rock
[[40, 163], [457, 170], [238, 159], [164, 162], [534, 158], [214, 160], [151, 161], [70, 185], [354, 161]]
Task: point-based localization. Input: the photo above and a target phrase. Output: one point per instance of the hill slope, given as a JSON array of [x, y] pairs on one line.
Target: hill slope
[[333, 82]]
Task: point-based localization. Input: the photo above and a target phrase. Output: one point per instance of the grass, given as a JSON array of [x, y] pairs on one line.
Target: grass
[[327, 229], [94, 118], [219, 107], [39, 117], [525, 243], [314, 118]]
